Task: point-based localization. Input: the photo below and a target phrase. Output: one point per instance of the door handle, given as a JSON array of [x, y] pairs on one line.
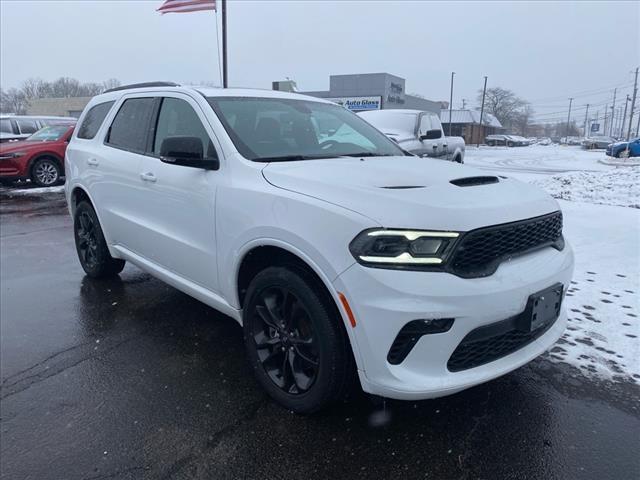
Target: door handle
[[148, 177], [435, 146], [93, 162]]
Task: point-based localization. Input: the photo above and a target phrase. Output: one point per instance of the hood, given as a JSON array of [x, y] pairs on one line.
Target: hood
[[412, 192], [397, 135], [21, 146]]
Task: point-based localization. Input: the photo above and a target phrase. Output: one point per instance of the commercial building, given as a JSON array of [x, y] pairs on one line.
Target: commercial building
[[367, 91], [466, 124], [59, 107]]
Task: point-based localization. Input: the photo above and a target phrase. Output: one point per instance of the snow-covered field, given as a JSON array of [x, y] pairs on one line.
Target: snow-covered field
[[602, 222]]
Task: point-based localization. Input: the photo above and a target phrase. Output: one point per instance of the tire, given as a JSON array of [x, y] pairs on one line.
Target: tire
[[623, 153], [509, 144], [291, 326], [91, 246], [45, 172], [491, 144], [457, 159]]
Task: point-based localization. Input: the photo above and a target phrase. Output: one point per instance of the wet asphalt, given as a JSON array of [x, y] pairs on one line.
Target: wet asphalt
[[131, 379]]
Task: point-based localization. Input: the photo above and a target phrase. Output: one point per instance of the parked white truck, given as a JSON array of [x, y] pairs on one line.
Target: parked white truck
[[417, 132]]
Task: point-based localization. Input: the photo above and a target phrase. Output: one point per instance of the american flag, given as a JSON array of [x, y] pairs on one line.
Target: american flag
[[183, 6]]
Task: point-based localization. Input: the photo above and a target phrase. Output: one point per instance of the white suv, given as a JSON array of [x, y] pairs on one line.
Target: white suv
[[336, 251]]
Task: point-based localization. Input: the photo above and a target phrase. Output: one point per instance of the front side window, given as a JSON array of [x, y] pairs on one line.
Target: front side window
[[282, 129], [93, 120], [178, 119], [27, 126], [131, 124], [425, 124]]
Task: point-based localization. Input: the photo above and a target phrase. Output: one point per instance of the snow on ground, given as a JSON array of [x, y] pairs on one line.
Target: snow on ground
[[11, 192], [615, 187], [603, 302]]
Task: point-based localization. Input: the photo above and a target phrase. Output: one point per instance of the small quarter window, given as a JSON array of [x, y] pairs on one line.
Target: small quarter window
[[5, 126], [93, 120], [131, 124]]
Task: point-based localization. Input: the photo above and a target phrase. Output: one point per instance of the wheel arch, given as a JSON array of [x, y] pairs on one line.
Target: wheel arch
[[256, 257], [43, 155]]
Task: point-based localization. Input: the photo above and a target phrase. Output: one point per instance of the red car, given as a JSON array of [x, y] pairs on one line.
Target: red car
[[40, 157]]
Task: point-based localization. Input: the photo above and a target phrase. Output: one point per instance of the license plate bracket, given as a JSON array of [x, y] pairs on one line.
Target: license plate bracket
[[542, 308]]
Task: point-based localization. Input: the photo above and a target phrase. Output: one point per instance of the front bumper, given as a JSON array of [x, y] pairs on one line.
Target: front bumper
[[383, 301]]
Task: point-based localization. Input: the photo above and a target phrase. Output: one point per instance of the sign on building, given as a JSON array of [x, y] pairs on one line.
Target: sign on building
[[358, 104], [595, 127]]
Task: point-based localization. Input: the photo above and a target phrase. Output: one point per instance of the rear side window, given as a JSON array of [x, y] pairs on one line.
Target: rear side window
[[131, 125], [93, 120], [27, 126], [5, 126]]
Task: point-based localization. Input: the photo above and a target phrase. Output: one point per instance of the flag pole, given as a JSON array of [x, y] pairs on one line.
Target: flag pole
[[223, 8]]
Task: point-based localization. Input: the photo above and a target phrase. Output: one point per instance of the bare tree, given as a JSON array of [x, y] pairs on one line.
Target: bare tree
[[521, 121], [13, 101], [502, 104], [111, 83], [36, 88]]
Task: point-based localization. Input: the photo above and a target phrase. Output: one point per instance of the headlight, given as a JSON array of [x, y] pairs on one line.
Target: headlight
[[417, 249], [7, 156]]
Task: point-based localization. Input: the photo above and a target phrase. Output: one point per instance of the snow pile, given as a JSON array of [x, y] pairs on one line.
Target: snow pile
[[603, 300], [619, 187], [32, 191]]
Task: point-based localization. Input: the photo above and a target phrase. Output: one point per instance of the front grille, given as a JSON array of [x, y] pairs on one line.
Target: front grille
[[479, 252], [491, 342]]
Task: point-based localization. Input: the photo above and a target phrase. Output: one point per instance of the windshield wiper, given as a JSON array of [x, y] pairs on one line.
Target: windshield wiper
[[367, 154], [292, 158]]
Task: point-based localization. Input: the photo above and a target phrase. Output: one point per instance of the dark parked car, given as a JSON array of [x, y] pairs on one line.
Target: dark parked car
[[624, 149], [39, 158]]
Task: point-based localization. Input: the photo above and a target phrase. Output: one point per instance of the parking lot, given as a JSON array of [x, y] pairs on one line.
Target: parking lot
[[129, 378]]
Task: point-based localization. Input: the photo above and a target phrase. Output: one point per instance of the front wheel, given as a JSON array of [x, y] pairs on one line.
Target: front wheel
[[45, 172], [91, 246], [295, 340], [624, 153]]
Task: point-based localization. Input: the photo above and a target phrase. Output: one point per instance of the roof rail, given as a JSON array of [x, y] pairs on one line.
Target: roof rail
[[142, 85]]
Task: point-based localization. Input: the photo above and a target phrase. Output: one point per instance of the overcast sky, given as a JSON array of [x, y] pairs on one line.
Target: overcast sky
[[545, 52]]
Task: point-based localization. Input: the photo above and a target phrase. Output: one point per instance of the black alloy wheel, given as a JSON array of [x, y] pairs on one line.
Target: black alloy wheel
[[91, 246], [284, 339], [296, 340], [87, 240]]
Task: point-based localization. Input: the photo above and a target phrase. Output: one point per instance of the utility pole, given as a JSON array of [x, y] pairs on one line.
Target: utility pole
[[613, 106], [624, 116], [606, 112], [633, 104], [586, 116], [451, 102], [638, 127], [464, 103], [484, 92], [568, 119], [223, 9]]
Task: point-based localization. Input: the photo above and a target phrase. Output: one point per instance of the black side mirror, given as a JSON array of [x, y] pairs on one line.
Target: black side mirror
[[431, 135], [186, 152]]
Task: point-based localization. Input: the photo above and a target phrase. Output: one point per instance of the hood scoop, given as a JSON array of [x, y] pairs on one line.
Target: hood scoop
[[474, 181]]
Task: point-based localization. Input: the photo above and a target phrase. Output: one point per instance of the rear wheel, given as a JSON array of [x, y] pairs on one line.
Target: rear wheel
[[295, 340], [91, 246], [45, 172]]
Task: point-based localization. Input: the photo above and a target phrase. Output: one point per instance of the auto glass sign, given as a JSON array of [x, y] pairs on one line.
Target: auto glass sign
[[358, 104]]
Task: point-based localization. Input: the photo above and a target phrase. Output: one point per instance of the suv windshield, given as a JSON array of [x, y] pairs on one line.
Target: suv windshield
[[49, 134], [282, 129]]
